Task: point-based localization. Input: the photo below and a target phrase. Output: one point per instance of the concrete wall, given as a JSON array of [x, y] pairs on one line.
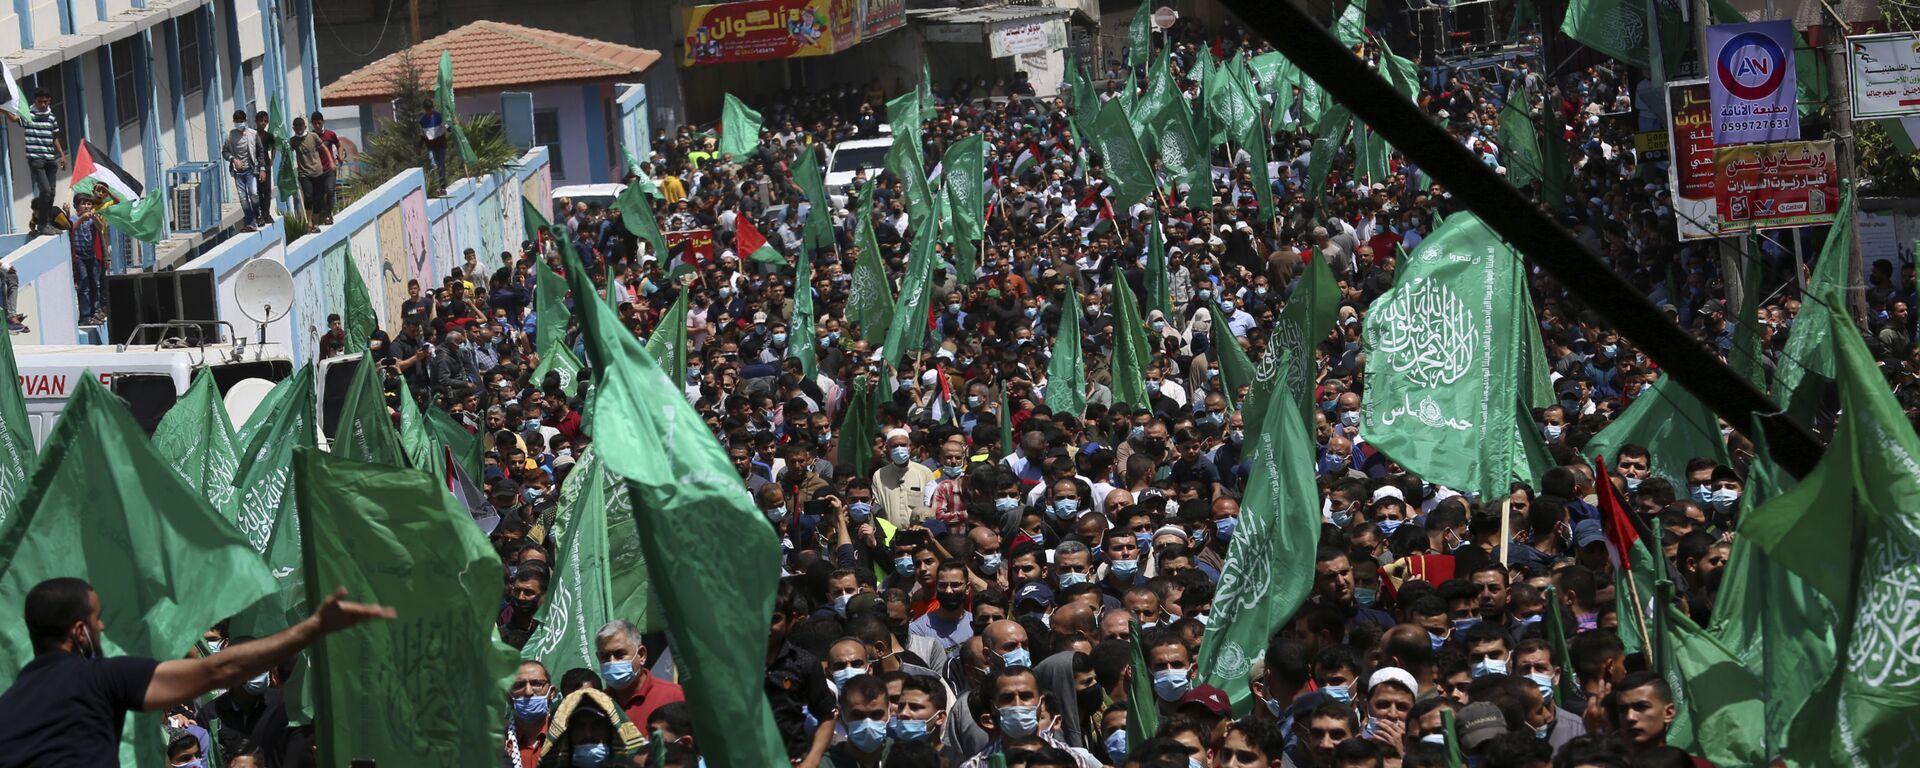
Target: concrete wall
[[393, 235]]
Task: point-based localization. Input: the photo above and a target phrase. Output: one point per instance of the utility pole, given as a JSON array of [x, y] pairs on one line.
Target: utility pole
[[413, 21], [1840, 109]]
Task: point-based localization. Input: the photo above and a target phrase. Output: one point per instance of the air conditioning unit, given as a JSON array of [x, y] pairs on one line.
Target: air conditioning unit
[[183, 207]]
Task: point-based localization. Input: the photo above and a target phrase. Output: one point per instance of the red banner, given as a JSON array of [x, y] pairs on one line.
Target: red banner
[[762, 30], [1785, 184], [692, 247], [1692, 147], [878, 17]]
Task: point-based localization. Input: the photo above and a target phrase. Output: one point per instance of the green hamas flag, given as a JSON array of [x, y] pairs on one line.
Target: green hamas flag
[[965, 187], [1143, 719], [1124, 165], [425, 688], [1005, 417], [910, 310], [870, 300], [802, 345], [668, 342], [818, 227], [358, 315], [717, 556], [424, 451], [1327, 140], [550, 328], [1160, 95], [463, 446], [580, 599], [443, 100], [366, 430], [198, 441], [636, 214], [1619, 28], [1230, 110], [639, 173], [104, 506], [1236, 370], [1672, 424], [1066, 368], [1351, 27], [144, 219], [907, 160], [1140, 40], [262, 506], [1275, 76], [286, 172], [1555, 622], [1443, 368], [1156, 277], [1717, 698], [855, 448], [739, 129], [1131, 351], [1807, 362], [1287, 368], [1269, 565], [1848, 531], [1525, 163], [1083, 101]]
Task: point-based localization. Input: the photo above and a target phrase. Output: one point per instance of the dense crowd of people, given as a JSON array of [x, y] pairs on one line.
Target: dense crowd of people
[[968, 598]]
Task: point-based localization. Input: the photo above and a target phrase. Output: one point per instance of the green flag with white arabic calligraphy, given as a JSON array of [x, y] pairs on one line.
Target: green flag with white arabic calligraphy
[[263, 503], [1671, 424], [909, 329], [668, 342], [197, 439], [1269, 566], [858, 426], [580, 598], [1066, 369], [1156, 276], [1140, 35], [1807, 363], [965, 190], [870, 300], [1131, 350], [1620, 29], [739, 129], [1287, 369], [366, 429], [1125, 165], [550, 328], [1443, 370], [801, 343]]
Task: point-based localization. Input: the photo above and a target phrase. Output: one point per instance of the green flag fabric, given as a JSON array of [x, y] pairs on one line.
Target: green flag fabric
[[550, 328], [1287, 367], [16, 437], [739, 129], [1066, 368], [1807, 362], [1005, 416], [1521, 139], [909, 329], [1351, 27], [1140, 37], [424, 451], [1568, 685], [964, 185], [1442, 367], [286, 171], [1160, 95], [197, 439], [1131, 349], [444, 102], [907, 160], [1156, 277], [144, 219], [1329, 135], [1236, 370], [1125, 165], [1620, 28], [1143, 719], [818, 226], [464, 446], [802, 345], [263, 503], [366, 430], [668, 342], [1672, 425], [870, 300], [580, 598], [428, 687], [106, 507], [1269, 565], [858, 426], [636, 214], [359, 316], [1723, 714], [718, 560]]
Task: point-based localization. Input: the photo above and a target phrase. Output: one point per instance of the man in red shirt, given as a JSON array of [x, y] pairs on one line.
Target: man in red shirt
[[623, 667]]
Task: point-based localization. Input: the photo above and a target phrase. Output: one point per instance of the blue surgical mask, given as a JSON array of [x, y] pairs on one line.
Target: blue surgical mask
[[1436, 640], [589, 755], [1031, 312], [1273, 706], [1349, 418], [1485, 667], [1238, 436], [1462, 625], [904, 729], [1702, 494], [860, 511], [1206, 294], [1224, 527], [973, 402], [1365, 596], [1072, 578], [1340, 693], [1016, 658], [899, 454], [529, 708], [1144, 540], [1726, 499], [1544, 683], [903, 565], [1006, 504], [990, 564], [1342, 518], [1633, 484], [1116, 744], [1125, 569], [1137, 433], [779, 339], [840, 605], [1552, 431], [778, 514], [617, 674], [1171, 684], [841, 676], [1017, 722], [258, 684], [1063, 508], [1158, 325], [1611, 350], [1387, 527]]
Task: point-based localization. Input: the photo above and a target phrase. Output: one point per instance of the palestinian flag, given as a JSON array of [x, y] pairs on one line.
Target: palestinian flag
[[122, 198], [1026, 159], [748, 242], [15, 100], [1633, 565]]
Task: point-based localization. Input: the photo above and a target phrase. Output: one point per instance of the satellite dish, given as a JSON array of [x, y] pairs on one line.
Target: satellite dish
[[245, 397], [264, 291]]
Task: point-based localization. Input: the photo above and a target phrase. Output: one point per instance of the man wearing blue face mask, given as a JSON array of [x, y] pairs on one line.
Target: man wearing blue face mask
[[623, 667], [863, 711], [531, 699], [900, 485], [1017, 719], [1122, 571]]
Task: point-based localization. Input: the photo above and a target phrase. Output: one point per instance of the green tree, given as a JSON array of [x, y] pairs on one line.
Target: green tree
[[395, 144]]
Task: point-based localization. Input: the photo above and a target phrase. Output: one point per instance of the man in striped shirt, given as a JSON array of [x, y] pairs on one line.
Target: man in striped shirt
[[46, 157]]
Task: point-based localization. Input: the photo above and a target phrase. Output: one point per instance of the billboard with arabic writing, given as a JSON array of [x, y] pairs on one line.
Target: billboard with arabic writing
[[1884, 74], [1690, 168], [1787, 184], [761, 30], [1751, 77], [878, 17]]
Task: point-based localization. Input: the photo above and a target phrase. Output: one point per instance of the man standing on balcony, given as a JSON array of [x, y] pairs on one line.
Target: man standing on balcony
[[433, 138], [330, 160], [46, 156], [238, 151], [309, 154], [265, 152]]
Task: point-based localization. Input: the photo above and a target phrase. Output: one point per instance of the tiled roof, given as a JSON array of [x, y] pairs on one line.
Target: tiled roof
[[492, 56]]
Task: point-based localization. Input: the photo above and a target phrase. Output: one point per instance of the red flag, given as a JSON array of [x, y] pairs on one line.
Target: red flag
[[749, 244], [1621, 533]]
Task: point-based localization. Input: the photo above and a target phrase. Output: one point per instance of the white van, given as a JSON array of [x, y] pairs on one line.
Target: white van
[[859, 154], [149, 378]]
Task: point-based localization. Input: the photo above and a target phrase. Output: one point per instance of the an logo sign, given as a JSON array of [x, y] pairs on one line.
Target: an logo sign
[[1752, 83]]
